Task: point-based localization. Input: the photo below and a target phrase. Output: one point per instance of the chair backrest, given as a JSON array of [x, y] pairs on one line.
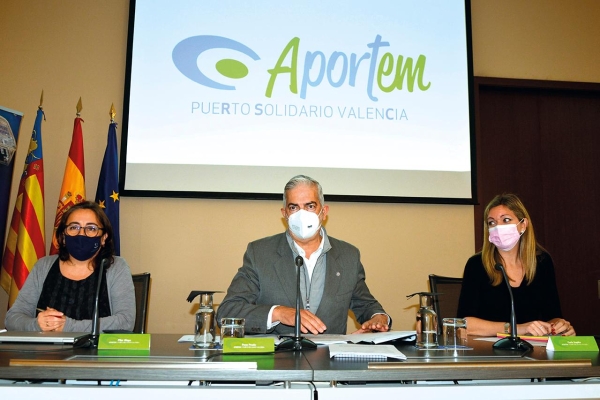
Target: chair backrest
[[445, 304], [141, 284]]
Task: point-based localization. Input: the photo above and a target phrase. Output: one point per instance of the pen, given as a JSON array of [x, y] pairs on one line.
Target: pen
[[40, 309]]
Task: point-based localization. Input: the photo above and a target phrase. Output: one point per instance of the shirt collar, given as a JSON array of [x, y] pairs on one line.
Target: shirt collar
[[324, 246]]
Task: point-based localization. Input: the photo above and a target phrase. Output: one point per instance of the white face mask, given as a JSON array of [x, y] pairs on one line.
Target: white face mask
[[304, 224]]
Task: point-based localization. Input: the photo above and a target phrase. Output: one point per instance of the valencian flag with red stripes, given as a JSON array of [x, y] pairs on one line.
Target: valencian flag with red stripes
[[107, 193], [72, 190], [25, 243]]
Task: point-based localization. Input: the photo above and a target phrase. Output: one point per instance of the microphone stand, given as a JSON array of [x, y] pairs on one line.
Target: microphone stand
[[512, 342], [297, 342], [96, 316]]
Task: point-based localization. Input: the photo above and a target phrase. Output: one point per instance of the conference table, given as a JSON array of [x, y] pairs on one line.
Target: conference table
[[172, 368]]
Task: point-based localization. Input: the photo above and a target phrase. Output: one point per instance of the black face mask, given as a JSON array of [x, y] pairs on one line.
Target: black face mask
[[81, 247]]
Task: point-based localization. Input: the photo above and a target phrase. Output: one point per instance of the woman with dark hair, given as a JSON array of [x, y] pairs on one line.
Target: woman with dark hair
[[59, 293], [484, 301]]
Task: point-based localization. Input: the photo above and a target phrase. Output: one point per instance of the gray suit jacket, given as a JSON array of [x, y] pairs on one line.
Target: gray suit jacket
[[268, 277]]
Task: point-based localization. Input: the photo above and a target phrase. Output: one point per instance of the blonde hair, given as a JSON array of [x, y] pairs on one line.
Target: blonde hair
[[528, 247]]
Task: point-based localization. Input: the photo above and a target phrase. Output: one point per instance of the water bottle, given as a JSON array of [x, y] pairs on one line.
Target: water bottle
[[427, 322], [204, 330]]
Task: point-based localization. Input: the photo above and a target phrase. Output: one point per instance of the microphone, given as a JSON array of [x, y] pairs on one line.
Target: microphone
[[96, 315], [513, 342], [297, 342]]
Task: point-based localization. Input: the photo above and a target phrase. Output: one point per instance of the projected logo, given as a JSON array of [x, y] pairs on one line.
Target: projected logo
[[388, 72], [186, 53]]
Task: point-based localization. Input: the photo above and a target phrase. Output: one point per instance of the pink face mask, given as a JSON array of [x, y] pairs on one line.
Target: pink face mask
[[505, 237]]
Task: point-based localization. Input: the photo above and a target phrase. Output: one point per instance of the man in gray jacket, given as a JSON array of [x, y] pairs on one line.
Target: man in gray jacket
[[332, 278]]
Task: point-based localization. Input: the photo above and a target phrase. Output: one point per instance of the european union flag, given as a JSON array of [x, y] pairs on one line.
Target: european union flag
[[107, 194]]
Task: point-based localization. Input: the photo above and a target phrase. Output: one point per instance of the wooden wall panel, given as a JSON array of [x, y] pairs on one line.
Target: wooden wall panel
[[540, 140]]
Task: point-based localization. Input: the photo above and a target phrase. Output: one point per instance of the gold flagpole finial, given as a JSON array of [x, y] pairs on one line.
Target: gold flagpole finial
[[79, 107], [112, 112], [41, 99]]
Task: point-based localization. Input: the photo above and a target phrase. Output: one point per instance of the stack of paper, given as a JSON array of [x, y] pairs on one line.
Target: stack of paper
[[372, 337], [526, 337]]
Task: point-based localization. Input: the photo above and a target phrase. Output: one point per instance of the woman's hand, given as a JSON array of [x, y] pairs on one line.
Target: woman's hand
[[535, 328], [51, 320], [561, 327]]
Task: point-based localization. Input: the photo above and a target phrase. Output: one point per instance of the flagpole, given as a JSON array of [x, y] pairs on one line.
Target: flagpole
[[72, 190], [25, 243], [107, 192]]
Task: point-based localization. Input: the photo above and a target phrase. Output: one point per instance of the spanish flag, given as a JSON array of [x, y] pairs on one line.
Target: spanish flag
[[72, 190], [25, 243]]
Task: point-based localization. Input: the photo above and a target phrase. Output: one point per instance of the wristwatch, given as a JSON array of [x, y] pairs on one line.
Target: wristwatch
[[506, 327]]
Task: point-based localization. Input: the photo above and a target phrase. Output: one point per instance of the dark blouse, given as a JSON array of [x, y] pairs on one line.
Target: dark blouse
[[536, 301], [75, 299]]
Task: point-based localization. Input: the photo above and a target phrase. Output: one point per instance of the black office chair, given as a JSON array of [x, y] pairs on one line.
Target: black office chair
[[141, 284], [445, 304]]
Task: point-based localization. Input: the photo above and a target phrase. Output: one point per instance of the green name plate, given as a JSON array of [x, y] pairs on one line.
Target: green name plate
[[248, 345], [124, 341], [572, 343]]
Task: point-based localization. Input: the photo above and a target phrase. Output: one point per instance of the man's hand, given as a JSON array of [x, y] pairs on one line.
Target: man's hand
[[309, 321], [379, 323]]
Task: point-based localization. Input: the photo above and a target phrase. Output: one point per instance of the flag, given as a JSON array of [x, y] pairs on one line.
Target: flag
[[107, 193], [25, 243], [10, 124], [72, 190]]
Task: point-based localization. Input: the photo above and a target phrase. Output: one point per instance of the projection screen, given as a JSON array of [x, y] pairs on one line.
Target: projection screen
[[230, 99]]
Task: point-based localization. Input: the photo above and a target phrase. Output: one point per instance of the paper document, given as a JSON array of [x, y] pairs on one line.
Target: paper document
[[364, 351], [373, 337], [495, 339], [327, 339], [380, 337], [525, 337]]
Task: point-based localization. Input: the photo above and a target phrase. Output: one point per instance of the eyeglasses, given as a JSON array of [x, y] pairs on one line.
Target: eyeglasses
[[90, 230]]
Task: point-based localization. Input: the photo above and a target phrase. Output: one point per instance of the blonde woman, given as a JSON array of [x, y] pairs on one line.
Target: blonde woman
[[509, 239]]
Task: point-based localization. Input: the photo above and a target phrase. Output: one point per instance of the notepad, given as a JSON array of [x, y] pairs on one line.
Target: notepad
[[364, 351]]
